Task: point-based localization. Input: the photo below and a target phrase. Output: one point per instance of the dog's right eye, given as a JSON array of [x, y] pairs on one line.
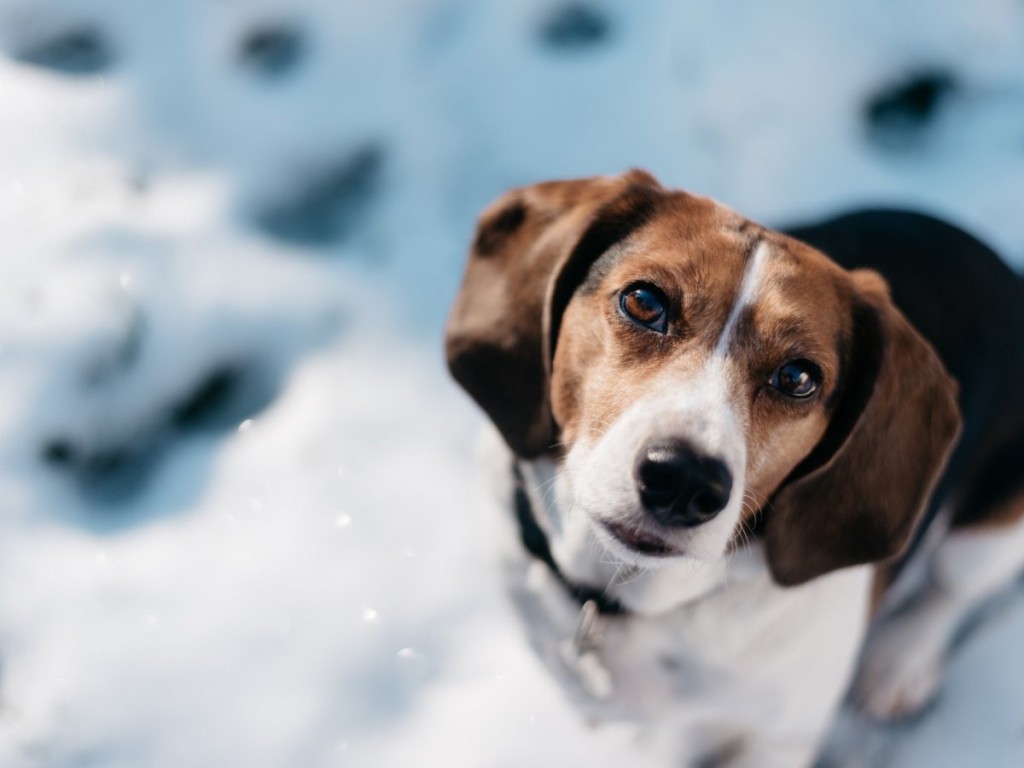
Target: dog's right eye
[[645, 305]]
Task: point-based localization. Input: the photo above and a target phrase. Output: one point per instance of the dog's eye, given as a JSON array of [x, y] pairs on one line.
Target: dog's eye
[[797, 378], [645, 304]]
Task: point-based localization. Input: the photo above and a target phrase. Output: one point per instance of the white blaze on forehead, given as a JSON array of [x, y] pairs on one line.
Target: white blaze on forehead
[[749, 286]]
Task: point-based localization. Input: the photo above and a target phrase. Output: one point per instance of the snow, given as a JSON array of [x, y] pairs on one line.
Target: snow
[[241, 519]]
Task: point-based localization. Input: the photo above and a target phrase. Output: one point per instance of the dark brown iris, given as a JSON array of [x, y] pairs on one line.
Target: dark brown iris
[[797, 378], [645, 305]]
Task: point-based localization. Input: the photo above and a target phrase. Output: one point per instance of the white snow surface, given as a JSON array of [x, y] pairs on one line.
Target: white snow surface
[[309, 579]]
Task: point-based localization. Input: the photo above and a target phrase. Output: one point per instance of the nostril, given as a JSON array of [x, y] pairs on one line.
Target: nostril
[[709, 501], [659, 482]]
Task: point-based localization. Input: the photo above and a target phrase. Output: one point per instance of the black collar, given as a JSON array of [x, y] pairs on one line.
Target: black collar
[[536, 543]]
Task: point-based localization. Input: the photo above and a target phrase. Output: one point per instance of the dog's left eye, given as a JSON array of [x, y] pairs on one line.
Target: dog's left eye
[[797, 378], [646, 305]]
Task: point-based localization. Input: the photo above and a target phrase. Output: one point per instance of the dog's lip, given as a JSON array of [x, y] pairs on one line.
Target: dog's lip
[[640, 541]]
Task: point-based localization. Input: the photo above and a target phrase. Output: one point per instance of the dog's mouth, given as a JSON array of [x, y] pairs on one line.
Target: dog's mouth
[[639, 541]]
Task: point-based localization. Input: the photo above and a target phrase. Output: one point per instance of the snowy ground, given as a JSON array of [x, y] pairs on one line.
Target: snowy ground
[[240, 522]]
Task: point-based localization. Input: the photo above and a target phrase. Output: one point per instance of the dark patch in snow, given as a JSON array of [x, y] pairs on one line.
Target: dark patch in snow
[[228, 395], [575, 26], [110, 475], [82, 50], [59, 453], [273, 50], [897, 114], [115, 473], [330, 207], [209, 401]]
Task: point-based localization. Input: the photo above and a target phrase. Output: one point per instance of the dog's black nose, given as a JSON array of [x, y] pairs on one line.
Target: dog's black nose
[[678, 486]]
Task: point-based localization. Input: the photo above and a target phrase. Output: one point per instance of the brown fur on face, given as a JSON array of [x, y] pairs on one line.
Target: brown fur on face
[[604, 362], [527, 248], [537, 338]]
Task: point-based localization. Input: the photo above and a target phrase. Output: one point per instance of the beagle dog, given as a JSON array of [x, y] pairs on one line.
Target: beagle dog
[[744, 464]]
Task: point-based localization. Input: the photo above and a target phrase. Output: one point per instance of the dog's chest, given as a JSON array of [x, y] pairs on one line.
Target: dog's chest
[[745, 652]]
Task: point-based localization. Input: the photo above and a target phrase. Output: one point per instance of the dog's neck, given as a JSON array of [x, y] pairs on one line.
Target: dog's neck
[[566, 542], [535, 541]]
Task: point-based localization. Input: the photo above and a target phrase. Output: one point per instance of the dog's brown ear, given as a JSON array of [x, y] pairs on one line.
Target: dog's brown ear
[[531, 250], [860, 493]]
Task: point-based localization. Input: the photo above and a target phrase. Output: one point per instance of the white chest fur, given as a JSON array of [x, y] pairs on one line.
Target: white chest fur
[[750, 662], [747, 668]]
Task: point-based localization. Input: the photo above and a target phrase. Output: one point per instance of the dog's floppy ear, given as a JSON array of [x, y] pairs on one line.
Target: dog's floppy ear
[[531, 250], [860, 493]]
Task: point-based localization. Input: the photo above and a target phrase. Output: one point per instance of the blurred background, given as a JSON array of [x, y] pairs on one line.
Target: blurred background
[[241, 521]]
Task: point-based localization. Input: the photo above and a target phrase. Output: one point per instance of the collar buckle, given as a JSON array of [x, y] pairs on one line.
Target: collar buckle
[[580, 653]]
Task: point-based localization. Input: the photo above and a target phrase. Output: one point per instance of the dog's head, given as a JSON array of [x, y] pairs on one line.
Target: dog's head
[[691, 370]]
